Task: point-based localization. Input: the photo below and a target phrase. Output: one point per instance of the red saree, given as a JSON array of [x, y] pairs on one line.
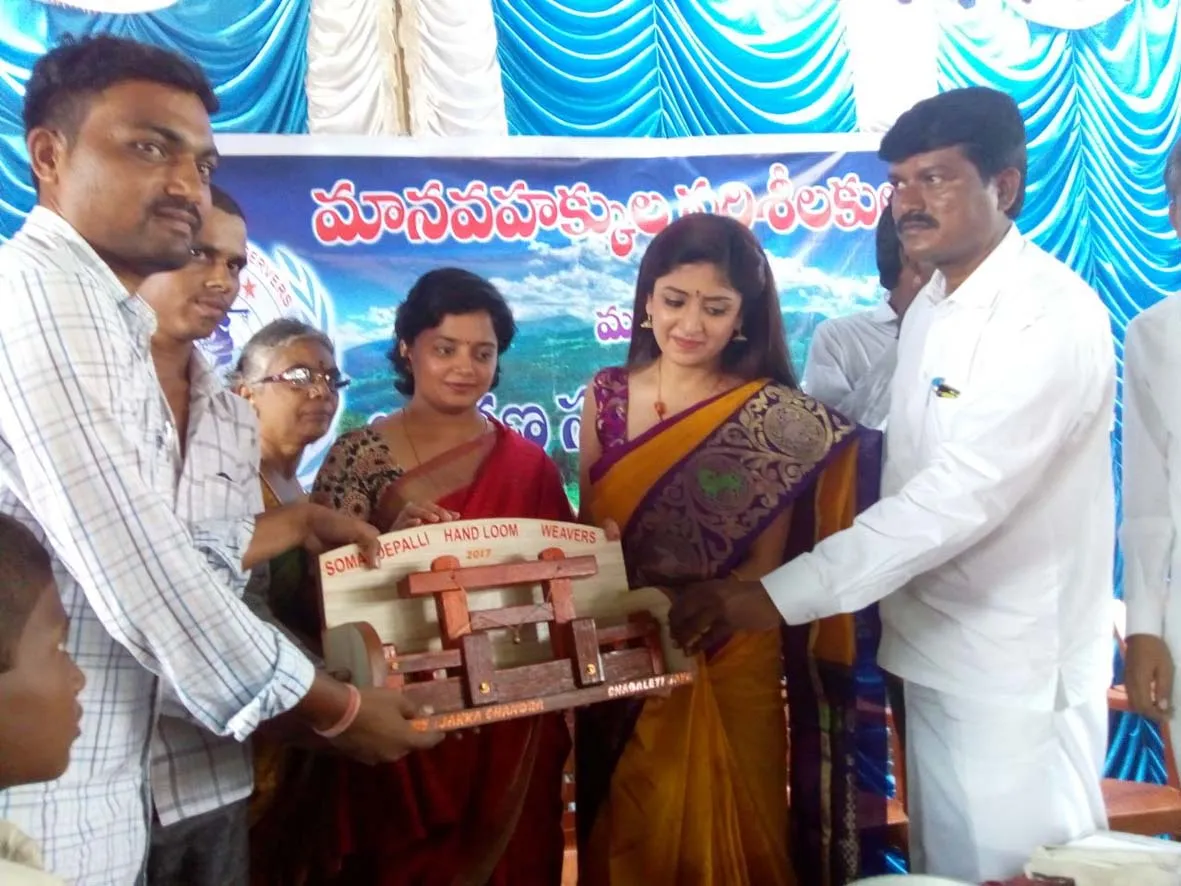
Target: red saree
[[484, 807]]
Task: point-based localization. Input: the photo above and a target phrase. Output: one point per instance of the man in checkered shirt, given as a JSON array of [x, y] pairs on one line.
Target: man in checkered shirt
[[121, 152], [200, 782]]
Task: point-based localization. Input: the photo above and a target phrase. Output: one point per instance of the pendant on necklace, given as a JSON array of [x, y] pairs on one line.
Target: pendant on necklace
[[661, 409]]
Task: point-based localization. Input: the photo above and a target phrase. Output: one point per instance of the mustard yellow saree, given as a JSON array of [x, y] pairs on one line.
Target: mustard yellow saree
[[693, 788]]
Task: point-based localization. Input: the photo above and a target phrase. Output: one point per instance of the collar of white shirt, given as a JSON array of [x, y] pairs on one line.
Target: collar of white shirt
[[203, 381], [884, 314], [983, 284], [46, 227]]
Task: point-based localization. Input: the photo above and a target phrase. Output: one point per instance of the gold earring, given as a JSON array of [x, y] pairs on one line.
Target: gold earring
[[738, 336], [647, 324]]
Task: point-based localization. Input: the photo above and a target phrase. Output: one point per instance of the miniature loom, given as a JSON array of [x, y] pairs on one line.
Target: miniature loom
[[487, 620]]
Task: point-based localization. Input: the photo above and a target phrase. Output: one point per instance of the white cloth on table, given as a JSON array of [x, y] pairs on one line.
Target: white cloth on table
[[1111, 859]]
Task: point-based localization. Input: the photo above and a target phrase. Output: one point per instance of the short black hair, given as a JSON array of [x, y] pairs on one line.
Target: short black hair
[[440, 293], [984, 123], [65, 79], [224, 202], [889, 249], [25, 572]]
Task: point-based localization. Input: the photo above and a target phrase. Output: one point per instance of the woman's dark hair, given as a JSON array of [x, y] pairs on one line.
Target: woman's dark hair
[[889, 250], [728, 245], [440, 293], [984, 123]]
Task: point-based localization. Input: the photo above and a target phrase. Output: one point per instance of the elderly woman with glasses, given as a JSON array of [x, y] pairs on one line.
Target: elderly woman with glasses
[[288, 372]]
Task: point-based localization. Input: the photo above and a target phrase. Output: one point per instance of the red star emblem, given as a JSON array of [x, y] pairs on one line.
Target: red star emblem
[[248, 288]]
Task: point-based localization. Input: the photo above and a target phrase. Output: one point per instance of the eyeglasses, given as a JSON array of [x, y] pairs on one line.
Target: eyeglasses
[[305, 379]]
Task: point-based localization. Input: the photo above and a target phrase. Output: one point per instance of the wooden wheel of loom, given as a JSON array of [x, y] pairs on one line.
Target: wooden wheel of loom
[[355, 647]]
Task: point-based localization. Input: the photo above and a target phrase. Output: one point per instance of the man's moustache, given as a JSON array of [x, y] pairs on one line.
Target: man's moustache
[[923, 221], [184, 206]]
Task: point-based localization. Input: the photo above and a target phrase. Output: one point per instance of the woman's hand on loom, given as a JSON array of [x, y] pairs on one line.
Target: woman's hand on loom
[[325, 529], [706, 614], [417, 514], [382, 731]]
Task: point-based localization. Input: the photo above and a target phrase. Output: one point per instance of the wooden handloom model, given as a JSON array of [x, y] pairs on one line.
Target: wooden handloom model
[[487, 620]]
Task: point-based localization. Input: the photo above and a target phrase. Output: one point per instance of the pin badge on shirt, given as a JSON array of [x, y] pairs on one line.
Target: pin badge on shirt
[[943, 390]]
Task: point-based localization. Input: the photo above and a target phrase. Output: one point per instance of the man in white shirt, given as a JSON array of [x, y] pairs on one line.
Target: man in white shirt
[[851, 360], [1152, 493], [121, 150], [991, 548]]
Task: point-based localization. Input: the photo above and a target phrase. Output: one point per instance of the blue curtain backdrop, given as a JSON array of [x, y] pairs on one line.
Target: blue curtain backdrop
[[255, 54], [1101, 106], [671, 68]]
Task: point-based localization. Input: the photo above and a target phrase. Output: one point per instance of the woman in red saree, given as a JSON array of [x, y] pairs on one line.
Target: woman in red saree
[[712, 461], [484, 807]]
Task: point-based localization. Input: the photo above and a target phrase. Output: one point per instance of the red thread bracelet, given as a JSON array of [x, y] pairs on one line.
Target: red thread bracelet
[[347, 718]]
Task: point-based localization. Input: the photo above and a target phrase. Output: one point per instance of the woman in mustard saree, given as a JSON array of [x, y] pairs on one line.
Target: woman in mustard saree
[[707, 455]]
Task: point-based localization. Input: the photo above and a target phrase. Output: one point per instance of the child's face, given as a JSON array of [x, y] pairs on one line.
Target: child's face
[[39, 697]]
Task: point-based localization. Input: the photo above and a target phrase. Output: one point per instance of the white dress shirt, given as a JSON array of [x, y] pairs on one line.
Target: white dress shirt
[[868, 403], [1151, 485], [992, 545], [845, 349], [193, 770], [88, 460]]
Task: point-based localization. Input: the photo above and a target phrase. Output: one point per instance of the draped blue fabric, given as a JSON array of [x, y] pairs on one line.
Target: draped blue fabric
[[673, 67], [254, 53], [1101, 107]]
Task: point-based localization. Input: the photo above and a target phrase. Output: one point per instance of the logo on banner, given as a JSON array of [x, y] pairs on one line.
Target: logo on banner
[[273, 286]]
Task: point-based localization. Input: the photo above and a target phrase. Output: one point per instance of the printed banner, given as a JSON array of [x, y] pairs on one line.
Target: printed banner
[[339, 240]]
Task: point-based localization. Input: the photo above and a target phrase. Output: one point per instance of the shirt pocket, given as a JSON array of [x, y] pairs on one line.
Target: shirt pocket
[[946, 388], [228, 490], [141, 412]]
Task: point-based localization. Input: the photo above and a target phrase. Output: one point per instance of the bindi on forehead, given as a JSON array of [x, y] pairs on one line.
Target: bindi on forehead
[[703, 294]]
